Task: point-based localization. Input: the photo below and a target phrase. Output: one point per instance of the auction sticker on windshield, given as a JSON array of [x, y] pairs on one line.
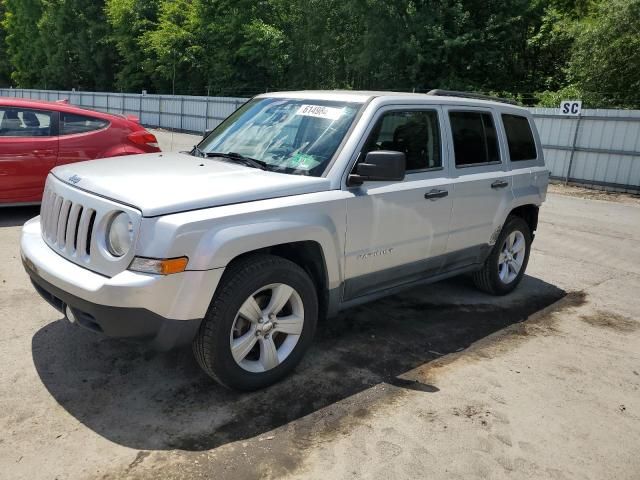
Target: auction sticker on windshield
[[320, 111]]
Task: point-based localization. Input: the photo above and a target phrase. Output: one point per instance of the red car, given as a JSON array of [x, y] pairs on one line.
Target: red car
[[36, 136]]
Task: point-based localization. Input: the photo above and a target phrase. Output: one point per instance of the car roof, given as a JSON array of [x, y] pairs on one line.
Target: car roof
[[57, 106], [363, 96]]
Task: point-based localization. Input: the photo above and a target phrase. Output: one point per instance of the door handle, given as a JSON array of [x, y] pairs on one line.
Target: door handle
[[500, 184], [435, 194]]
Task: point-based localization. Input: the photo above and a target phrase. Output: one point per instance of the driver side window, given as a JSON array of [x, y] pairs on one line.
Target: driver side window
[[416, 133]]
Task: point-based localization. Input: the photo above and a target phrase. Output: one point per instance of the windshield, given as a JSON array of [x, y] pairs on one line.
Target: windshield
[[285, 135]]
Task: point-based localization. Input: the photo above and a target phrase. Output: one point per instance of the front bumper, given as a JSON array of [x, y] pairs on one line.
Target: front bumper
[[167, 309]]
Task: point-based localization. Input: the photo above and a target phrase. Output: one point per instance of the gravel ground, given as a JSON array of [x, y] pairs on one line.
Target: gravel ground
[[437, 382]]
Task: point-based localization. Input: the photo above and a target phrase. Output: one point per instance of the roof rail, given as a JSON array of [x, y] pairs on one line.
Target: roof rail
[[452, 93]]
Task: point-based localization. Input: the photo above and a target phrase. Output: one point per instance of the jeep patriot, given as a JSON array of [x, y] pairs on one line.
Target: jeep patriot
[[297, 206]]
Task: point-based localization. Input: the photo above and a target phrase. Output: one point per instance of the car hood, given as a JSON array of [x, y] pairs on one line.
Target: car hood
[[162, 183]]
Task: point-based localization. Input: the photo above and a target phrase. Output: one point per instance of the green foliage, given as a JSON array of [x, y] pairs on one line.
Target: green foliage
[[23, 41], [552, 99], [76, 46], [5, 64], [129, 21], [605, 58], [559, 48]]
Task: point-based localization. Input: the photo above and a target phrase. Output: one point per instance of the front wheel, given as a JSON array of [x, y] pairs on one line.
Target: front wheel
[[505, 266], [259, 324]]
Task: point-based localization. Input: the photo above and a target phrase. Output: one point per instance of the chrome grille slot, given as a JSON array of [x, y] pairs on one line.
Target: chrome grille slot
[[83, 239], [76, 229], [72, 227], [62, 224], [92, 220], [67, 225]]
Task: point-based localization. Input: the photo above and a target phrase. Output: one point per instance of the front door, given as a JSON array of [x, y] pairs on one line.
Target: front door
[[397, 231], [28, 150]]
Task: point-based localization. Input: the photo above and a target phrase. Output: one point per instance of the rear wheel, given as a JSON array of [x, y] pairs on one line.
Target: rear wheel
[[259, 324], [505, 266]]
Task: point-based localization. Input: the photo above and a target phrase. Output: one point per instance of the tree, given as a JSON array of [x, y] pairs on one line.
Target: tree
[[74, 39], [130, 20], [605, 60], [23, 42], [5, 64]]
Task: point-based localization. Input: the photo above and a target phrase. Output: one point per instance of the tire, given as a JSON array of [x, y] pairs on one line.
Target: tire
[[281, 339], [492, 277]]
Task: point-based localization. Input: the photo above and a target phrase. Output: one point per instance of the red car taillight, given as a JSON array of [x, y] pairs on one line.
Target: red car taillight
[[144, 138]]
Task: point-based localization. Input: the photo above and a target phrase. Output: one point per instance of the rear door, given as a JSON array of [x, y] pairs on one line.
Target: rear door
[[28, 150], [83, 137], [529, 176], [481, 184]]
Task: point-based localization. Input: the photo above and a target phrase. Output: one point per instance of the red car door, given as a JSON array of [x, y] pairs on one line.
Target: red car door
[[28, 150]]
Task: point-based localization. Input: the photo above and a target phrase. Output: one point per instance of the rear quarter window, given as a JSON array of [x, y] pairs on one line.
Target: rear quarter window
[[71, 123], [519, 138]]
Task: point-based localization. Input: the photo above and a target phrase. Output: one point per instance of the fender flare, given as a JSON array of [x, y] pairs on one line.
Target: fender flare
[[218, 248]]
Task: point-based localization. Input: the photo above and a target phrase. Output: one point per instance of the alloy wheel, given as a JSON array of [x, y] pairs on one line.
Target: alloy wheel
[[511, 257], [267, 328]]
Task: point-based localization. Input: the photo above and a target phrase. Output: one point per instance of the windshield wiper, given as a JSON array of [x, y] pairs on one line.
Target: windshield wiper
[[236, 157]]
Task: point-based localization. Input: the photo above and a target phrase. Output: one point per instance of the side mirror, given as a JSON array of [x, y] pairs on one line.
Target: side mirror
[[380, 166]]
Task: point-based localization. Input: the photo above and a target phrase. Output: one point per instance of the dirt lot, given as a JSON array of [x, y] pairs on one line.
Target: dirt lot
[[438, 382]]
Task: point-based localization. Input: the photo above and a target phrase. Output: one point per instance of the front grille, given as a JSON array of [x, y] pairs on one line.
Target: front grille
[[67, 226], [74, 224]]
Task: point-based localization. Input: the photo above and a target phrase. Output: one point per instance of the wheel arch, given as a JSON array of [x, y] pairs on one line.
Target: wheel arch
[[309, 255], [529, 213]]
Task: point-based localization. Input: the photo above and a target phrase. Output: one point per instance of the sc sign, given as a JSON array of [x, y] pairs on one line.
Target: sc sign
[[571, 107]]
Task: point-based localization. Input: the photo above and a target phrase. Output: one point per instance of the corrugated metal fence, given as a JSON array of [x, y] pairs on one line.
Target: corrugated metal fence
[[179, 112], [599, 148]]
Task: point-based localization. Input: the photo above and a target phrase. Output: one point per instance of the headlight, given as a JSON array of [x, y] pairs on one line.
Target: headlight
[[120, 235]]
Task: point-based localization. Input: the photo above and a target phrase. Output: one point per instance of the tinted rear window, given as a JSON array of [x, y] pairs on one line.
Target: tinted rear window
[[474, 138], [24, 122], [519, 137], [72, 123]]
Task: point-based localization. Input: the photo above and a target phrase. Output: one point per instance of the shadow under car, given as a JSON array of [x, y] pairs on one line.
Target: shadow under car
[[158, 401]]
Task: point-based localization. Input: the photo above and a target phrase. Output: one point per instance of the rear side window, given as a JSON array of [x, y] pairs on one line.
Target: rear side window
[[24, 122], [72, 123], [416, 133], [474, 138], [519, 137]]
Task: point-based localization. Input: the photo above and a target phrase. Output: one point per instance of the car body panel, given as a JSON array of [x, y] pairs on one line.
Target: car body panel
[[24, 164], [161, 184], [25, 161]]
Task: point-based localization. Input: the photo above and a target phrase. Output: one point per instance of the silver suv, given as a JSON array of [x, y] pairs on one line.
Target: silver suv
[[297, 206]]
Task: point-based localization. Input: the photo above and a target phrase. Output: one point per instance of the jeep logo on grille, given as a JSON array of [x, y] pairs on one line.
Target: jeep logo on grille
[[74, 179]]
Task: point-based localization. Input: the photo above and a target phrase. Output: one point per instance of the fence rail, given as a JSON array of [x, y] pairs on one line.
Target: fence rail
[[177, 112], [598, 148]]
